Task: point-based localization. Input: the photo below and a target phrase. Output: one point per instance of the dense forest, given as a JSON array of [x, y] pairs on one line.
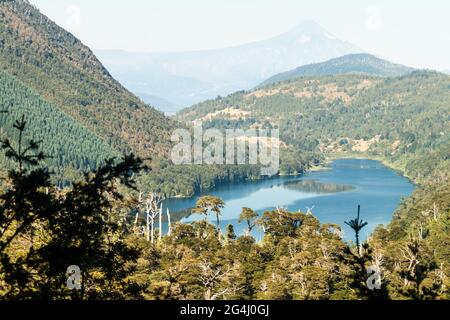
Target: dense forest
[[58, 67], [404, 121], [99, 224], [69, 144]]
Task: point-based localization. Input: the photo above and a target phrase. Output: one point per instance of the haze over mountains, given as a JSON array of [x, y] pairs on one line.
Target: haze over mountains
[[186, 78], [354, 63]]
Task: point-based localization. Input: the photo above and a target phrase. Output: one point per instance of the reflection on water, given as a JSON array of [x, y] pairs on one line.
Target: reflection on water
[[334, 194], [313, 186]]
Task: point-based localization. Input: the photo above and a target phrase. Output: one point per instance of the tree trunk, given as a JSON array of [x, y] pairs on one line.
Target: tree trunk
[[160, 223], [358, 247], [136, 219], [148, 227], [218, 227], [153, 229], [168, 221]]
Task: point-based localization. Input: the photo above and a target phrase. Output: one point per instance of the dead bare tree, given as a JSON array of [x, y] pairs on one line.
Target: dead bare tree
[[410, 254], [441, 276], [169, 223], [138, 210], [160, 224], [436, 213], [152, 209], [210, 277]]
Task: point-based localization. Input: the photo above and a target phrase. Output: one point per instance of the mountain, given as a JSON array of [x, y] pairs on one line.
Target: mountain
[[185, 78], [353, 63], [81, 114], [404, 120], [65, 73]]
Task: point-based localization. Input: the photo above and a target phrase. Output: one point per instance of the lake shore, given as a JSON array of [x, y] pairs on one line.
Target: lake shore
[[374, 186]]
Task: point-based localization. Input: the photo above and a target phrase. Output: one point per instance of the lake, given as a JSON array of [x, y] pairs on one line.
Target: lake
[[333, 194]]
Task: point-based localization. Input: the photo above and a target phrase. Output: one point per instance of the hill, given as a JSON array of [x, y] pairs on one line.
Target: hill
[[403, 120], [64, 72], [353, 63], [185, 78]]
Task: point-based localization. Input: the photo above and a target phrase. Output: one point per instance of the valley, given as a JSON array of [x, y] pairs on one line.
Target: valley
[[87, 175]]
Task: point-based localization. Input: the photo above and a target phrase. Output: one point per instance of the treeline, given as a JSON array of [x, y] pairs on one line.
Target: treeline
[[190, 180], [299, 259]]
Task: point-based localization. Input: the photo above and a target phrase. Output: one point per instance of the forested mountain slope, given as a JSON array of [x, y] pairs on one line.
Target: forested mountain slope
[[352, 63], [405, 120], [57, 66], [83, 114], [68, 143]]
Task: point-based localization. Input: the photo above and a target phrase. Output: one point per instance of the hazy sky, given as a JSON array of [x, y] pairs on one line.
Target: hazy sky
[[412, 32]]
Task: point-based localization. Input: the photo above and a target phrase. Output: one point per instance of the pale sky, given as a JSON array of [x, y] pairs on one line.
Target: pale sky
[[411, 32]]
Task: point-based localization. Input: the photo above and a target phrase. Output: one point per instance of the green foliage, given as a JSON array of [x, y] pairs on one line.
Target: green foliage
[[248, 216], [66, 142], [230, 234], [82, 116], [44, 231], [189, 180], [208, 204], [64, 72], [357, 225], [81, 113], [402, 120], [417, 243]]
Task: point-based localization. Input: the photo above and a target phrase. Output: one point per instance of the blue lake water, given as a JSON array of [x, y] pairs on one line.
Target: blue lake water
[[334, 195]]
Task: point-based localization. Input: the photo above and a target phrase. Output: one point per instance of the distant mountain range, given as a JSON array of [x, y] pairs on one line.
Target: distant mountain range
[[168, 107], [353, 63], [186, 78]]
